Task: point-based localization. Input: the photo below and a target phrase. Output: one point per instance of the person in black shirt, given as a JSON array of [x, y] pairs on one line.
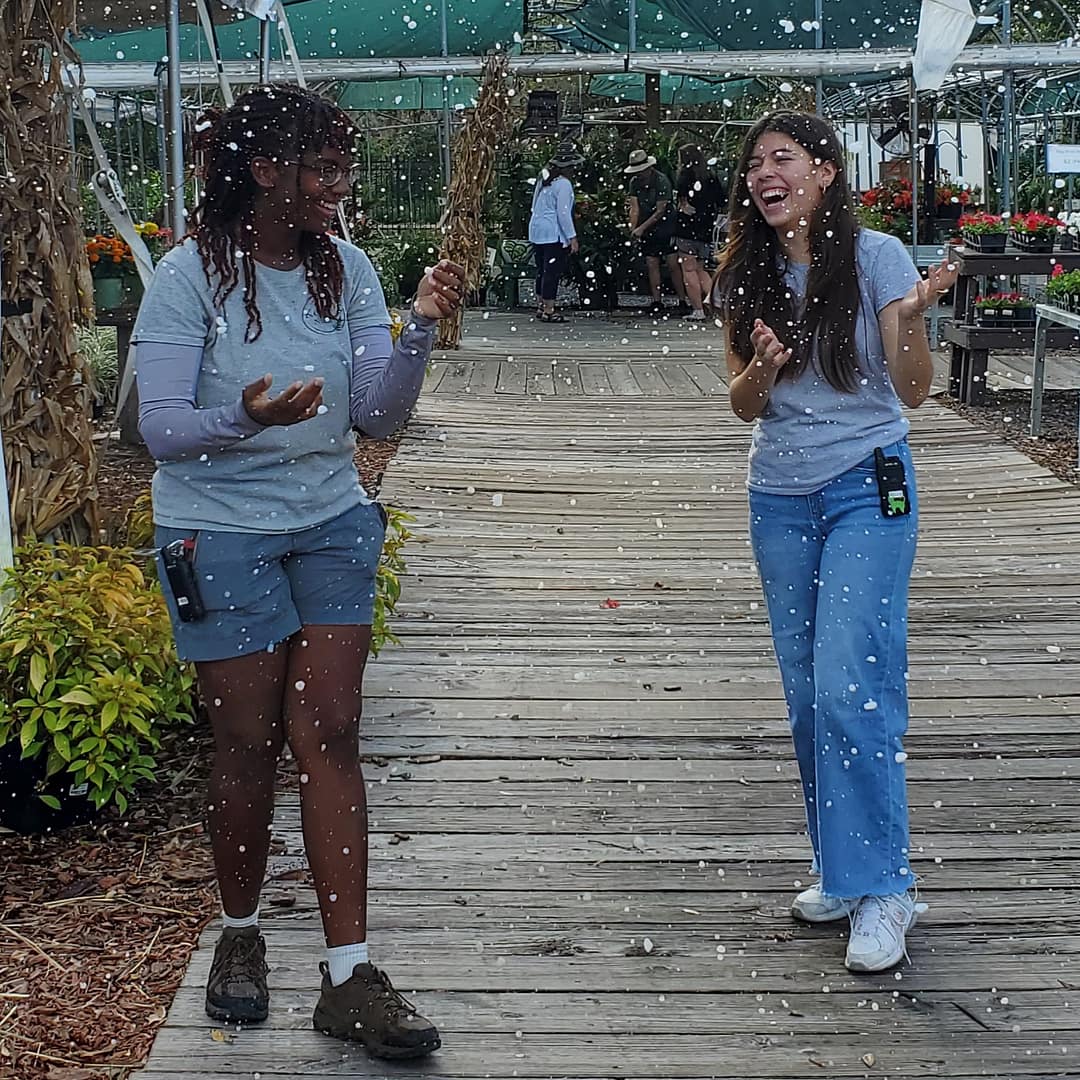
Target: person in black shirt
[[699, 199], [652, 222]]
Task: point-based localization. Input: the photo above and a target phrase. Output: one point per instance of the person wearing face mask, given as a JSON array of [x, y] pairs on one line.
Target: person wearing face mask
[[826, 340]]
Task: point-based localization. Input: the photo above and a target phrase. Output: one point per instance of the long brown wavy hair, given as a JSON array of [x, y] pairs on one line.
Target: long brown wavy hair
[[281, 123], [750, 280]]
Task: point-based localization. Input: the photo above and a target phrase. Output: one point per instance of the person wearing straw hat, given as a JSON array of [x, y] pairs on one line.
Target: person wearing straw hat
[[652, 222], [551, 227]]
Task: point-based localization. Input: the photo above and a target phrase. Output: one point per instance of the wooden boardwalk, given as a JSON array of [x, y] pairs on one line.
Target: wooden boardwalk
[[586, 818]]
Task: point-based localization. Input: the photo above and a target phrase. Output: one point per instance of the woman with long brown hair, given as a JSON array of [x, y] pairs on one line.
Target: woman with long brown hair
[[826, 339]]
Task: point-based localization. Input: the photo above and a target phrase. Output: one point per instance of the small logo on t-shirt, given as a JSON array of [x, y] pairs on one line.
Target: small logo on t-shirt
[[317, 324]]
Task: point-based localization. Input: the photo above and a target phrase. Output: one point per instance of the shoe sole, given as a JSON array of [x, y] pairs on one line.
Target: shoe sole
[[237, 1011], [884, 965], [387, 1053]]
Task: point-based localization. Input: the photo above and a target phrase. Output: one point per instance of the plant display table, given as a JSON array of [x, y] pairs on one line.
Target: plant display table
[[1047, 315], [971, 343]]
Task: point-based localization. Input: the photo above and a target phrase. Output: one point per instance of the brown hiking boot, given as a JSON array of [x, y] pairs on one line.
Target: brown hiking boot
[[367, 1009], [236, 990]]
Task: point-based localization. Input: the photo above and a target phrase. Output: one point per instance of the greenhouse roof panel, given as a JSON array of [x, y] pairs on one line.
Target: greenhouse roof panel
[[325, 29]]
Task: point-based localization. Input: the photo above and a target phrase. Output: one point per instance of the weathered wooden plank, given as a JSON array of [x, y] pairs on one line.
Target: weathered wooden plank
[[512, 377], [621, 379], [540, 378], [747, 1055], [852, 1013], [568, 380], [707, 378], [594, 380]]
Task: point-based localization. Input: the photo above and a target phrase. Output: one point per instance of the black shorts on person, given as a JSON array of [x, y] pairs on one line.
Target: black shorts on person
[[656, 244]]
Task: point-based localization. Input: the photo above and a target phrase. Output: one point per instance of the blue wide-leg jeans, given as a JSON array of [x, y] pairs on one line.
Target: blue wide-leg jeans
[[835, 573]]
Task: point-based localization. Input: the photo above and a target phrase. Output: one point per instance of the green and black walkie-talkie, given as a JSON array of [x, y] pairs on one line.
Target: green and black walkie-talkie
[[892, 485]]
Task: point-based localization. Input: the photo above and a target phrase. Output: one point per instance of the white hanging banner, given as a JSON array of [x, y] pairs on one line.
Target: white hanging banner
[[944, 29], [261, 9]]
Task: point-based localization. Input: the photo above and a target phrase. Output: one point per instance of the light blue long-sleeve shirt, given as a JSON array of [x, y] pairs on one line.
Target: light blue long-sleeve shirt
[[552, 220]]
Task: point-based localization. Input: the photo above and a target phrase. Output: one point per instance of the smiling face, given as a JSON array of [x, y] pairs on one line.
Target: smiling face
[[785, 182], [304, 196]]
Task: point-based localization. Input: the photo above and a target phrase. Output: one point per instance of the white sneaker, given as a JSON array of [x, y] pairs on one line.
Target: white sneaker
[[695, 316], [812, 905], [878, 932]]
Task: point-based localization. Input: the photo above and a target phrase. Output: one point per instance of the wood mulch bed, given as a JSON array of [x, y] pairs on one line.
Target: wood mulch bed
[[1007, 413]]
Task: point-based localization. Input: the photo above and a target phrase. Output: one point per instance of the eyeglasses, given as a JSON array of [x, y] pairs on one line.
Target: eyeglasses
[[331, 174]]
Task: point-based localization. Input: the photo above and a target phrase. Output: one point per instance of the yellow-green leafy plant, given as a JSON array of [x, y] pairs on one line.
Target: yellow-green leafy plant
[[89, 677], [139, 524], [388, 577]]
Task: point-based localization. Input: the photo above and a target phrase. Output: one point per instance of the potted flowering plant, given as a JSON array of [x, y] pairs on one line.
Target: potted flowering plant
[[158, 241], [1063, 288], [951, 198], [984, 232], [1034, 231], [1005, 309], [110, 261]]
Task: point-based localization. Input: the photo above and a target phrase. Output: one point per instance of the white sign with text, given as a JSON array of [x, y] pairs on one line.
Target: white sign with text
[[1062, 158]]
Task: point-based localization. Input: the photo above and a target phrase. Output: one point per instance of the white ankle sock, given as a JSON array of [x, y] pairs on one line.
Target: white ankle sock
[[239, 924], [343, 958]]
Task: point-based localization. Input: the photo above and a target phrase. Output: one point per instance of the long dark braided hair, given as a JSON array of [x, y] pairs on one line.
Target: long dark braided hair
[[752, 286], [281, 123]]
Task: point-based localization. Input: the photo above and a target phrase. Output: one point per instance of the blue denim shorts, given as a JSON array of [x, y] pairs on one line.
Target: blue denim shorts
[[259, 588]]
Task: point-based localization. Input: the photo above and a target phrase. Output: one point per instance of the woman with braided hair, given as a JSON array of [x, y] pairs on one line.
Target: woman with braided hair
[[269, 542]]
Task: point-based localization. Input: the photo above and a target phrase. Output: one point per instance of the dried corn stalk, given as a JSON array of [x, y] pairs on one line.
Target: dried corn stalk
[[475, 149], [44, 394]]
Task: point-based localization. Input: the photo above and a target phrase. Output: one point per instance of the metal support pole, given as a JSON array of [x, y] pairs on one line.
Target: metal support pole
[[264, 51], [176, 121], [913, 123], [1007, 106], [162, 143], [445, 137], [631, 28], [819, 43]]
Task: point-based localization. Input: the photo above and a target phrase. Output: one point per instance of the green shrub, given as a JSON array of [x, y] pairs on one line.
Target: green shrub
[[88, 673], [388, 579]]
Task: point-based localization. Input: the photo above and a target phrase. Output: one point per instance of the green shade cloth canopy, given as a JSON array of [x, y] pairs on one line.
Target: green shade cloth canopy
[[391, 94], [666, 25], [676, 89], [327, 29]]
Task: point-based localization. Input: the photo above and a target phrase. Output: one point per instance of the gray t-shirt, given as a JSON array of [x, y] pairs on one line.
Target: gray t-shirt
[[810, 433], [278, 479]]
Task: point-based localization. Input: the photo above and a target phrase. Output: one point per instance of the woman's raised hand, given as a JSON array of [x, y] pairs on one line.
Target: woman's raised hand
[[296, 403], [440, 291], [768, 351], [938, 281]]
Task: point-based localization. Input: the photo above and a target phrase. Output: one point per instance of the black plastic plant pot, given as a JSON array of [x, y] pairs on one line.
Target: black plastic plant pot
[[1033, 245], [985, 243], [1008, 317], [22, 785]]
